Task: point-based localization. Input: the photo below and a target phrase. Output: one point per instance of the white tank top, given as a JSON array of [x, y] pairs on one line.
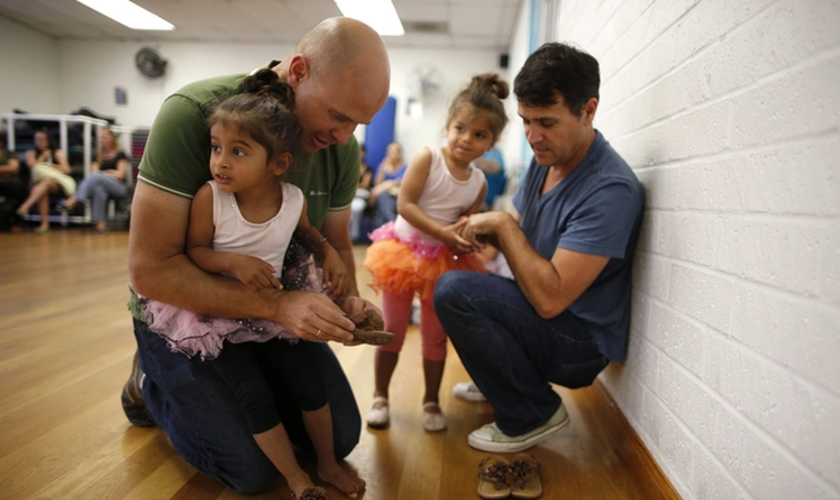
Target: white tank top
[[444, 198], [267, 240]]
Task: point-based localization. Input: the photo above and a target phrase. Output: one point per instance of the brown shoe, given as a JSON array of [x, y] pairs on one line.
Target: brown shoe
[[132, 397], [369, 327]]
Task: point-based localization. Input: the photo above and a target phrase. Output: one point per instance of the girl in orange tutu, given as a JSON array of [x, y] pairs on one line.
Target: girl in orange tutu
[[408, 255]]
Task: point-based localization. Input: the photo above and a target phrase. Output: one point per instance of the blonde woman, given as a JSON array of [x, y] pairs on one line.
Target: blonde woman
[[106, 180], [386, 184]]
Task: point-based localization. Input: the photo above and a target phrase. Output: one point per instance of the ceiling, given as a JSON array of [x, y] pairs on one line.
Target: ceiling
[[428, 23]]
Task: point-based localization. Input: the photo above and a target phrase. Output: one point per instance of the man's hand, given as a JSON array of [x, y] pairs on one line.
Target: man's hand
[[313, 316], [483, 227]]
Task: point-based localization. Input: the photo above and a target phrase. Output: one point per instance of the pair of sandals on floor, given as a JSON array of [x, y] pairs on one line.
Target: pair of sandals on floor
[[519, 478]]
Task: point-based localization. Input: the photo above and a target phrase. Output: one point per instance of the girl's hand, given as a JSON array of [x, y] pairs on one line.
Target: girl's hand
[[452, 237], [335, 280], [255, 273]]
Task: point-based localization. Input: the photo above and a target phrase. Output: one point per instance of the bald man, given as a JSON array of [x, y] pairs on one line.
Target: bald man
[[341, 76]]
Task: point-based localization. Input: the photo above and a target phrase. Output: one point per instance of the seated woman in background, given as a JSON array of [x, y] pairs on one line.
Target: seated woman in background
[[360, 201], [12, 187], [106, 180], [50, 175], [386, 184]]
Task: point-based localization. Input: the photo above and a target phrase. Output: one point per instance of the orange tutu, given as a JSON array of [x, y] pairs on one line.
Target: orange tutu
[[399, 265]]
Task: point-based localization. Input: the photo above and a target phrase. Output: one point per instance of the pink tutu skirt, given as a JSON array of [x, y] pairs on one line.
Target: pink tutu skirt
[[196, 334], [399, 264]]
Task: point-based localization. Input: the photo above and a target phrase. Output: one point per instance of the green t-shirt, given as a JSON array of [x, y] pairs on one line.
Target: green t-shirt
[[177, 154]]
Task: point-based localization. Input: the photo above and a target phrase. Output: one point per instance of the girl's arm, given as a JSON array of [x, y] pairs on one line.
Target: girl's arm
[[251, 271], [31, 159], [60, 162], [410, 190], [335, 282]]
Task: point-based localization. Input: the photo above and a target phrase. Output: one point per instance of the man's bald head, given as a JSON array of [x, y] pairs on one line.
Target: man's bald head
[[340, 67]]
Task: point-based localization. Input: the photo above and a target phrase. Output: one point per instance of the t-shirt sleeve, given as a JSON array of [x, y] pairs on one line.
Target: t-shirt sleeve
[[603, 223], [344, 189], [177, 150]]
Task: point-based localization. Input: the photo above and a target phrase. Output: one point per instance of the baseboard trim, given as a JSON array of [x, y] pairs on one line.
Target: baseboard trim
[[624, 440]]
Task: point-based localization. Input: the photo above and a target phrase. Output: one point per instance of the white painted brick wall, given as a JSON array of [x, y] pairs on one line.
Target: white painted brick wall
[[729, 111]]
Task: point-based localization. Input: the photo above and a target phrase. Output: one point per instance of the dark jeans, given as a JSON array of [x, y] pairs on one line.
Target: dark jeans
[[510, 352], [201, 416]]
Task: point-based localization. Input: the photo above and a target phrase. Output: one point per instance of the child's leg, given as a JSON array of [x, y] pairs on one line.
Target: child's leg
[[396, 310], [319, 426], [237, 366], [434, 357], [434, 349], [298, 368]]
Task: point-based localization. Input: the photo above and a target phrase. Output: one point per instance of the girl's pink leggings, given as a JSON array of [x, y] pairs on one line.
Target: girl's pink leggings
[[396, 311]]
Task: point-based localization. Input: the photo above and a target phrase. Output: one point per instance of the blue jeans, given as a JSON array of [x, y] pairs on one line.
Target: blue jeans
[[386, 208], [200, 414], [99, 187], [510, 352]]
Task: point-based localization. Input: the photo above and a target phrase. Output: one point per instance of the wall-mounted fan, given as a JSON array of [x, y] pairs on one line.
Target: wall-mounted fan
[[425, 83], [149, 62]]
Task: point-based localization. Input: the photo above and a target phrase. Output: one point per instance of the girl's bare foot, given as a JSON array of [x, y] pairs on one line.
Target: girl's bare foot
[[70, 203], [299, 483], [346, 481]]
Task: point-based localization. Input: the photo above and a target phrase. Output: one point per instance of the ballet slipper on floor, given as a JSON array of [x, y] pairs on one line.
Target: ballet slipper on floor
[[433, 421]]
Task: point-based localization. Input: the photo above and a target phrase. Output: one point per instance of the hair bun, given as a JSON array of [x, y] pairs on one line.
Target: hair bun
[[493, 83], [267, 82]]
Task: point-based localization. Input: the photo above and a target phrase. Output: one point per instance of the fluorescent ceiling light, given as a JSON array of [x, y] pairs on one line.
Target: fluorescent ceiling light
[[378, 14], [129, 14]]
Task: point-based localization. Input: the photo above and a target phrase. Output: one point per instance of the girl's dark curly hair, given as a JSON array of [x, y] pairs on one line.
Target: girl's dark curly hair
[[265, 111]]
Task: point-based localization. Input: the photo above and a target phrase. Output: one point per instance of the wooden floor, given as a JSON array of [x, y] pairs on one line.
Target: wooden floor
[[65, 352]]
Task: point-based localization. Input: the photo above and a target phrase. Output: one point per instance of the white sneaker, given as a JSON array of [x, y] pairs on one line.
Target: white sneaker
[[378, 416], [468, 391], [491, 438], [433, 422]]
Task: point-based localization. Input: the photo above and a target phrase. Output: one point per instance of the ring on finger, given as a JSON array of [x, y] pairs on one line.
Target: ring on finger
[[319, 333]]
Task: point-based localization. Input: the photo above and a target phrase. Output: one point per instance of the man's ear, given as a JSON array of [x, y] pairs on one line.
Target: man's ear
[[281, 163], [298, 70], [589, 109]]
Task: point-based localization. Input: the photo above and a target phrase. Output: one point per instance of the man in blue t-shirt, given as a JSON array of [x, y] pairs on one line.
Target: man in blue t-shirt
[[566, 315]]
